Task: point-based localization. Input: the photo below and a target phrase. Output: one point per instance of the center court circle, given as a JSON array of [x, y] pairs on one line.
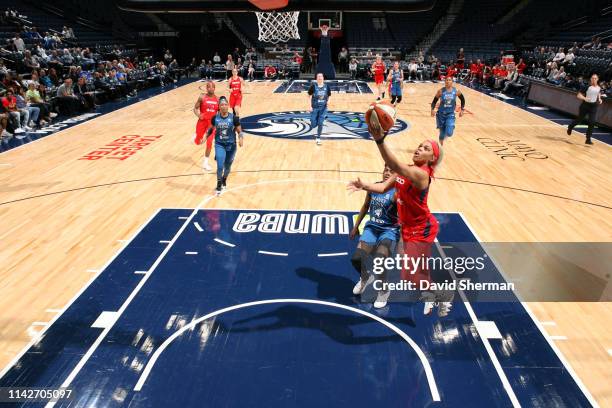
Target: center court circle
[[338, 125]]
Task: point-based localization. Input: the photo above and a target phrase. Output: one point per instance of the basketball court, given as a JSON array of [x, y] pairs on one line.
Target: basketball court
[[129, 282]]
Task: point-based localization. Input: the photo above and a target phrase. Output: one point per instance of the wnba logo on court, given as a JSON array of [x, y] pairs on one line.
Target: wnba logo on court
[[292, 223], [296, 125]]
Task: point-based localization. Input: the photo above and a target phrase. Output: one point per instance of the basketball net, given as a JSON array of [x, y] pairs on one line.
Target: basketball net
[[275, 27]]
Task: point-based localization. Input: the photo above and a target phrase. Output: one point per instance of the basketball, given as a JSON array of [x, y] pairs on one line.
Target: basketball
[[380, 115]]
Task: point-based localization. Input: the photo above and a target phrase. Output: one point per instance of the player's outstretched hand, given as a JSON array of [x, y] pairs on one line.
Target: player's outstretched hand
[[376, 131], [355, 185], [354, 233]]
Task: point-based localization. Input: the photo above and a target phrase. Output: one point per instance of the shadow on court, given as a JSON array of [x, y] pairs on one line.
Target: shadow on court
[[339, 327]]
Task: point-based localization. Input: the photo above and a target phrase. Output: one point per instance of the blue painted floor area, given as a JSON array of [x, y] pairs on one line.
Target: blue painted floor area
[[63, 123], [283, 354], [339, 86]]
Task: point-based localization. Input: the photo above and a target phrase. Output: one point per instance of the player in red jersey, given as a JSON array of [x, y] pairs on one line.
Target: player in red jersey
[[378, 70], [235, 85], [419, 227], [206, 107]]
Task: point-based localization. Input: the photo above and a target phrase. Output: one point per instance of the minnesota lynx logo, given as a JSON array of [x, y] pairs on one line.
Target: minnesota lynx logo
[[296, 125]]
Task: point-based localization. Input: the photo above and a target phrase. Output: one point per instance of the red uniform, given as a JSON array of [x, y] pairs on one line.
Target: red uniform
[[379, 72], [418, 224], [209, 107], [235, 86]]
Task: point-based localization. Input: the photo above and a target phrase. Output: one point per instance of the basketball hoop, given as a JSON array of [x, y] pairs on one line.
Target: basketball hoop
[[275, 27]]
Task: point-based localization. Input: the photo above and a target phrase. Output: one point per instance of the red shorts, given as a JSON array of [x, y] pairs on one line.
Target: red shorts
[[417, 242], [235, 100], [379, 79], [201, 128]]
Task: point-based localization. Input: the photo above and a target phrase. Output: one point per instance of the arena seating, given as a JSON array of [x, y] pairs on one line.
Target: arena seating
[[473, 31], [45, 21]]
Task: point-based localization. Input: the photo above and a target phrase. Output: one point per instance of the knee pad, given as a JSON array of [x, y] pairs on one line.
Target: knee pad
[[358, 259]]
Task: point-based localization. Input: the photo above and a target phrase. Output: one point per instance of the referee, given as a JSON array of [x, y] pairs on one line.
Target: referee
[[590, 97]]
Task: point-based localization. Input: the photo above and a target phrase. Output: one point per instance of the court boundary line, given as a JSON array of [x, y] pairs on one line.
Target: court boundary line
[[485, 341], [424, 361], [32, 342], [566, 364]]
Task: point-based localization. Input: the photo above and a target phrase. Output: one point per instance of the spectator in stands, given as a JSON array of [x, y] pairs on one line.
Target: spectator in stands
[[297, 58], [16, 116], [84, 93], [19, 43], [210, 70], [174, 71], [168, 57], [217, 58], [67, 100], [49, 41], [569, 58], [313, 57], [559, 57], [31, 113], [251, 72], [595, 44], [34, 98], [307, 60], [460, 59], [229, 66], [270, 72], [421, 58], [30, 61], [343, 59], [11, 81], [4, 124], [248, 55], [67, 33], [54, 60], [236, 54], [352, 67], [45, 79], [474, 71], [35, 35], [520, 67], [66, 58], [451, 71], [203, 69], [413, 71], [511, 81], [435, 71], [573, 83], [192, 67], [552, 72], [558, 77], [3, 69]]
